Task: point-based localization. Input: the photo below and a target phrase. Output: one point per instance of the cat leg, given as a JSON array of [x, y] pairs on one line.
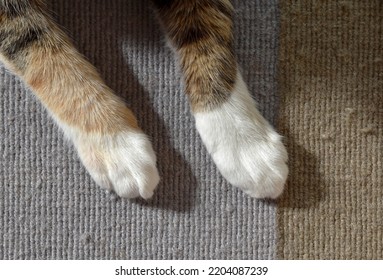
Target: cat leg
[[117, 154], [246, 149]]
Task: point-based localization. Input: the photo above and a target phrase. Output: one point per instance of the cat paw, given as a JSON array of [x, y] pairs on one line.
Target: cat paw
[[124, 162], [245, 148]]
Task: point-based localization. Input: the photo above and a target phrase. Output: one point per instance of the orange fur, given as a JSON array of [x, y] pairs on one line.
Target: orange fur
[[72, 89], [68, 85]]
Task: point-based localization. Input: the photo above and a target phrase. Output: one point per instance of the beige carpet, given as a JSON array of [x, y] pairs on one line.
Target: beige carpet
[[331, 113]]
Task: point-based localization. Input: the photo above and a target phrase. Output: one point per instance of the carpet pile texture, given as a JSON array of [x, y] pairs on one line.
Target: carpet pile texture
[[315, 69]]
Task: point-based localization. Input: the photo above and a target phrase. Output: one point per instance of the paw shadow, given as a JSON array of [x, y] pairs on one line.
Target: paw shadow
[[305, 187], [98, 29]]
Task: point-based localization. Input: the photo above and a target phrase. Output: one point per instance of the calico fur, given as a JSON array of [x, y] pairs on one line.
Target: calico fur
[[105, 133], [201, 33]]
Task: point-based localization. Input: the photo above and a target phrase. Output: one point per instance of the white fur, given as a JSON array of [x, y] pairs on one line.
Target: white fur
[[246, 149], [124, 162]]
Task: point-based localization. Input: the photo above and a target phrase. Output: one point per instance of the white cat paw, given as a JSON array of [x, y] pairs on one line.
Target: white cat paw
[[245, 148], [124, 162]]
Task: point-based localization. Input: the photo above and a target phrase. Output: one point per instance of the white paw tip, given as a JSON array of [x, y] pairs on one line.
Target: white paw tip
[[245, 148], [261, 171], [139, 185], [271, 186], [125, 163]]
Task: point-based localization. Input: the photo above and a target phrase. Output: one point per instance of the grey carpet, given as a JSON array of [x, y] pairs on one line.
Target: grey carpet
[[49, 206]]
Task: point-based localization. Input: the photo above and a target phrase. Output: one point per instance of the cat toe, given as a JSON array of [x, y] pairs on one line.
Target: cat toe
[[123, 162], [258, 168], [141, 184]]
